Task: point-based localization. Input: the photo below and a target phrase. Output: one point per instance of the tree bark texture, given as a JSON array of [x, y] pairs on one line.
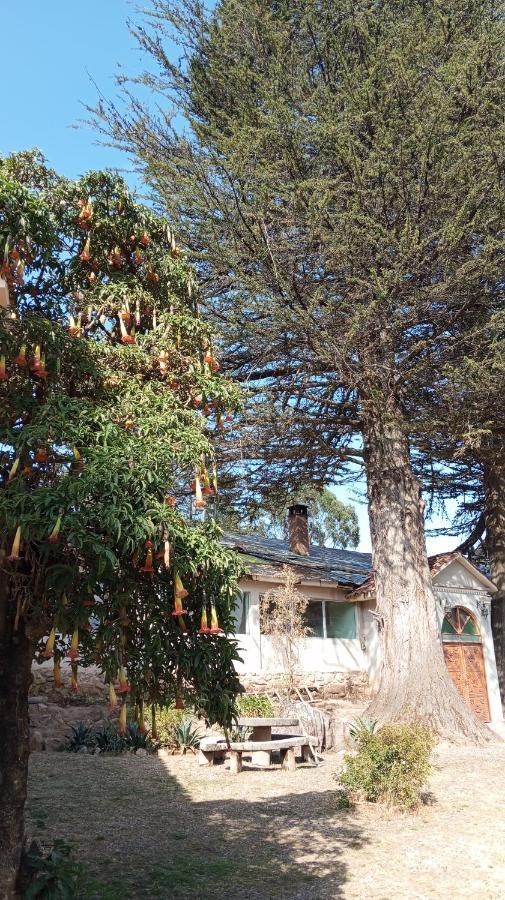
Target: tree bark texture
[[494, 487], [16, 655], [415, 685]]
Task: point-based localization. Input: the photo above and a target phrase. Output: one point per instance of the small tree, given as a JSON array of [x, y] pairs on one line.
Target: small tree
[[109, 400], [283, 619]]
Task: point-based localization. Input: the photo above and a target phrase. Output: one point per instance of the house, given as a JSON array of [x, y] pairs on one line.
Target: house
[[341, 657]]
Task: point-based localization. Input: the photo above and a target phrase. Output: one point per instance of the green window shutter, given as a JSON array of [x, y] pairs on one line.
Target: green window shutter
[[340, 620]]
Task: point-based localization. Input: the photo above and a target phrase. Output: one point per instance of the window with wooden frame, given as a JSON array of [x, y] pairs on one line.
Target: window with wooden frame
[[242, 613], [331, 619]]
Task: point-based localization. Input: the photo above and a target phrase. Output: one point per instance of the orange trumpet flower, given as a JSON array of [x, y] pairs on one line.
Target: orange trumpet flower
[[200, 503], [20, 359], [55, 533], [112, 697], [170, 501], [214, 624], [180, 590], [85, 255], [148, 564], [163, 360], [57, 673], [14, 468], [49, 649], [124, 687], [73, 653], [41, 455], [204, 623], [125, 337], [14, 554]]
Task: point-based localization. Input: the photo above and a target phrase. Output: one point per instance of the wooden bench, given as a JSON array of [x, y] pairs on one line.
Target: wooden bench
[[212, 748]]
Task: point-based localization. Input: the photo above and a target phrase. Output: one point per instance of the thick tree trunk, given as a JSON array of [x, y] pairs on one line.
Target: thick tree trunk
[[16, 655], [415, 684], [494, 487]]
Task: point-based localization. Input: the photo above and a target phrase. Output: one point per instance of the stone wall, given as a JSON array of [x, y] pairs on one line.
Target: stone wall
[[348, 685], [53, 711]]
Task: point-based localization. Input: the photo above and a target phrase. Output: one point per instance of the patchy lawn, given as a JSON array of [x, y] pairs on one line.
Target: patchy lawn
[[153, 828]]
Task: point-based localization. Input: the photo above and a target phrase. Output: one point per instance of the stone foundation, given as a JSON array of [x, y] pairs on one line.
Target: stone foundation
[[342, 685], [53, 711]]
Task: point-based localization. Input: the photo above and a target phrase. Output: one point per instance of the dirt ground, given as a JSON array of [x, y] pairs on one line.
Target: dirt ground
[[163, 828]]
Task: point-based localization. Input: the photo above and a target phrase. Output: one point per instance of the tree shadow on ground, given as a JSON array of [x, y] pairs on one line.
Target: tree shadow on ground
[[143, 836]]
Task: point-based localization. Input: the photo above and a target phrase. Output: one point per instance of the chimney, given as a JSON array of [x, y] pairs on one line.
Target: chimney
[[298, 529]]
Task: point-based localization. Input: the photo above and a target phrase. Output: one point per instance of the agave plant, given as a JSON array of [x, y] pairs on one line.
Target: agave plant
[[187, 737], [108, 740], [80, 736], [362, 726]]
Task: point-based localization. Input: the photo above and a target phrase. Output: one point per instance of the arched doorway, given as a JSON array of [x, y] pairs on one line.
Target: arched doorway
[[464, 657]]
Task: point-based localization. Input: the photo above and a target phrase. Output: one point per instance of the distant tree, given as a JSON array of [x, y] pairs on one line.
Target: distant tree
[[104, 364], [331, 522]]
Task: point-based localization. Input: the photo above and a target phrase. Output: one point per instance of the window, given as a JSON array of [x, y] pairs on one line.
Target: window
[[242, 613], [331, 619], [314, 618]]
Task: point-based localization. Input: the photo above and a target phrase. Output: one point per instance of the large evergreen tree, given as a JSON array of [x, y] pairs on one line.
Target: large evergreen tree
[[106, 374], [337, 185]]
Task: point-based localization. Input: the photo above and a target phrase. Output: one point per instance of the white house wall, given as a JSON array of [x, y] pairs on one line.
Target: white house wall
[[316, 654]]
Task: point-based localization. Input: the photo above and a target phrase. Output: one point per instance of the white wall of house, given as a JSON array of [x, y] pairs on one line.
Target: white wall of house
[[458, 584], [317, 654]]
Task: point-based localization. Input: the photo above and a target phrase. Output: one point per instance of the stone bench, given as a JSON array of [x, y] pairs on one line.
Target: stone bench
[[213, 748]]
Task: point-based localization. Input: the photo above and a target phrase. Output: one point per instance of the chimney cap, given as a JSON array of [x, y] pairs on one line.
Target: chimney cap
[[298, 509]]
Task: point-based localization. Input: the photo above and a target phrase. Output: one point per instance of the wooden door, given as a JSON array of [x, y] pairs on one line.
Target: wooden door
[[464, 658]]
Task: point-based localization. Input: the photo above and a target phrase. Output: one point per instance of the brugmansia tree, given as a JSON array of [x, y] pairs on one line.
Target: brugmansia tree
[[340, 184], [109, 399]]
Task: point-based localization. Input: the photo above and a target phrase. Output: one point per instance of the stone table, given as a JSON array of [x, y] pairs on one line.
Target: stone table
[[262, 731]]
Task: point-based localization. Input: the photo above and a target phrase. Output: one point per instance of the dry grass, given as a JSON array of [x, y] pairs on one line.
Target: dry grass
[[152, 828]]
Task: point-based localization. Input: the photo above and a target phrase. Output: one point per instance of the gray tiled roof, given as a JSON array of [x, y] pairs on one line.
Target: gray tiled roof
[[266, 556]]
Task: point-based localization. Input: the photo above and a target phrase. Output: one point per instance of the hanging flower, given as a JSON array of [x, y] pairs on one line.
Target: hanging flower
[[73, 681], [145, 239], [41, 371], [41, 456], [166, 554], [14, 554], [182, 624], [179, 589], [214, 624], [57, 673], [116, 258], [207, 487], [112, 697], [3, 373], [204, 623], [49, 649], [122, 719], [75, 327], [124, 687], [14, 468], [20, 359], [4, 292], [138, 259], [85, 213], [55, 533], [35, 361], [212, 362], [178, 609], [77, 464], [125, 337], [163, 360], [219, 421], [125, 315], [85, 255], [200, 503], [73, 653], [148, 563], [170, 501]]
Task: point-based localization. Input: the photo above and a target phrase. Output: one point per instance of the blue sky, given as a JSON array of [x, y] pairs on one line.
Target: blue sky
[[53, 51]]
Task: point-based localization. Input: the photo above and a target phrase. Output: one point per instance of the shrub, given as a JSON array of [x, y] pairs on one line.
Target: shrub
[[187, 737], [81, 735], [255, 705], [391, 765], [57, 876], [108, 740], [167, 720]]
